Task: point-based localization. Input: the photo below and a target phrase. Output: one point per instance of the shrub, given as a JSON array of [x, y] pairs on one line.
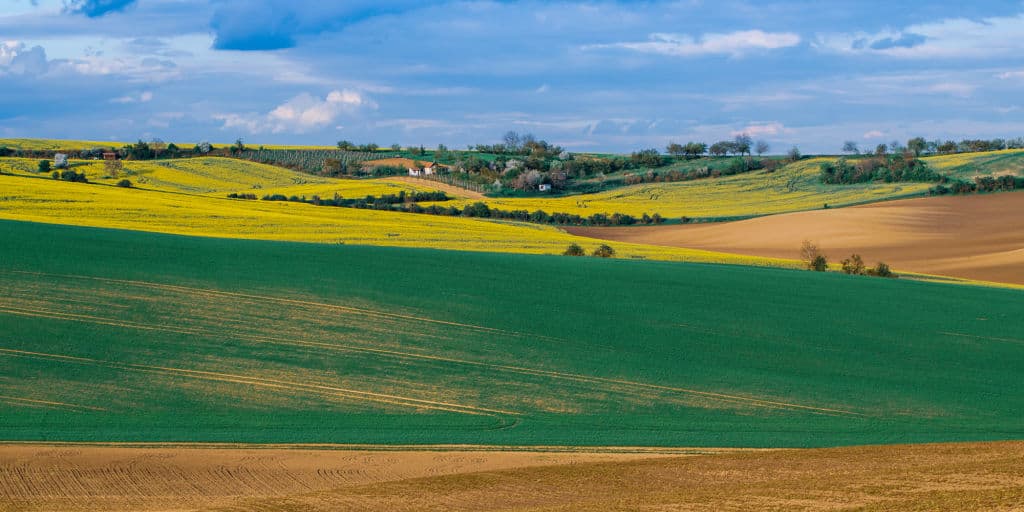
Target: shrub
[[604, 251], [574, 250], [819, 263], [55, 175], [854, 265], [124, 184], [810, 253], [44, 166], [881, 270]]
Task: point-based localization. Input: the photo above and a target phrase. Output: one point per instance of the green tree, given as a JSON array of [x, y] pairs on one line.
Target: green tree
[[44, 166], [604, 251], [851, 147], [574, 249], [854, 265], [917, 145], [675, 149]]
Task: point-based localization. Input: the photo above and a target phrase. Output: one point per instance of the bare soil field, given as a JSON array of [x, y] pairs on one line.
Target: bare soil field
[[90, 477], [975, 237], [965, 476], [452, 190]]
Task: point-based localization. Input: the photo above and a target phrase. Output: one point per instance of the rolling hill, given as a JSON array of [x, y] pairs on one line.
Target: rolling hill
[[120, 336]]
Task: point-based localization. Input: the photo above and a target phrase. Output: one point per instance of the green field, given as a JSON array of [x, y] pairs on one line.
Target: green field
[[111, 336]]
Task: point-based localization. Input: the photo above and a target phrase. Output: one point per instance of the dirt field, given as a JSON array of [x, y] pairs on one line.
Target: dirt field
[[975, 237], [452, 190], [969, 476]]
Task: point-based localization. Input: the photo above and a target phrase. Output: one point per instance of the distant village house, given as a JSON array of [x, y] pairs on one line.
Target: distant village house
[[60, 160]]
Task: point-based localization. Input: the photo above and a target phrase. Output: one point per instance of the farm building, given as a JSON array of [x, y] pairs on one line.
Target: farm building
[[415, 172], [429, 169], [60, 160], [109, 155]]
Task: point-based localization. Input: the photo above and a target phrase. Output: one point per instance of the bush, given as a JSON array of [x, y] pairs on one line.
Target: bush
[[604, 251], [854, 265], [55, 175], [44, 166], [818, 264], [574, 250], [881, 270], [124, 184]]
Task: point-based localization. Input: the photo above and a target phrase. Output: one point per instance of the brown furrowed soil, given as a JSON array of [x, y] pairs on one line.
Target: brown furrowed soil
[[975, 237], [963, 476]]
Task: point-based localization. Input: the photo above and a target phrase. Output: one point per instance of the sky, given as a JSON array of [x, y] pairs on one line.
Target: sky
[[589, 76]]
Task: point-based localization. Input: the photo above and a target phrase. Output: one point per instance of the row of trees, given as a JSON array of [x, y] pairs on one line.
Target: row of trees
[[980, 184], [887, 168], [919, 146], [602, 251], [816, 260], [742, 144]]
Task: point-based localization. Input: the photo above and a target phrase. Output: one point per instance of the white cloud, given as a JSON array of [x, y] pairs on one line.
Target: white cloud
[[142, 97], [954, 89], [1010, 75], [873, 134], [761, 129], [16, 58], [732, 43], [543, 89], [301, 114], [959, 37]]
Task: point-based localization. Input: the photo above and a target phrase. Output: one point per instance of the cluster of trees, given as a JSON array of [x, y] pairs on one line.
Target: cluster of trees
[[814, 259], [919, 146], [70, 175], [737, 165], [345, 145], [980, 184], [888, 168], [526, 144], [742, 144], [602, 251]]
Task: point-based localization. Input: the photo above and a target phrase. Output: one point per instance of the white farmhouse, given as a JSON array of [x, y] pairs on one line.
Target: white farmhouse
[[415, 172], [60, 160]]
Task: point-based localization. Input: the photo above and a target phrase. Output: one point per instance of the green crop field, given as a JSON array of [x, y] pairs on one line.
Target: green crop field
[[114, 336]]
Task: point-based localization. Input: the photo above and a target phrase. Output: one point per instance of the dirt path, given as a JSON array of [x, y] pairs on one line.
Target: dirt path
[[457, 192], [974, 237], [961, 476]]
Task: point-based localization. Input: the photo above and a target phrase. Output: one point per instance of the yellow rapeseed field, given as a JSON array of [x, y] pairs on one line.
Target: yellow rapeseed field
[[41, 199], [795, 187], [989, 163], [219, 177]]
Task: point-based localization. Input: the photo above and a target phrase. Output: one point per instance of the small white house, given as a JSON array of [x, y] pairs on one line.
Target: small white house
[[429, 169], [544, 187], [60, 160], [415, 172]]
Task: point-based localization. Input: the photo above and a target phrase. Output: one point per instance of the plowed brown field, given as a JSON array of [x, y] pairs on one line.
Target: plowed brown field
[[974, 237], [968, 476]]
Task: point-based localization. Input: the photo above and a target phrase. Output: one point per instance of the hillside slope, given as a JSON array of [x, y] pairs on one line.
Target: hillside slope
[[794, 187], [973, 237], [125, 336]]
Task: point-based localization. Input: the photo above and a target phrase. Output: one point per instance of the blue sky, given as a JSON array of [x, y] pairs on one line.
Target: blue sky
[[614, 76]]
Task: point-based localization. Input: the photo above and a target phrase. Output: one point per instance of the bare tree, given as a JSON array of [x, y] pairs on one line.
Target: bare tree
[[851, 147], [762, 147]]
